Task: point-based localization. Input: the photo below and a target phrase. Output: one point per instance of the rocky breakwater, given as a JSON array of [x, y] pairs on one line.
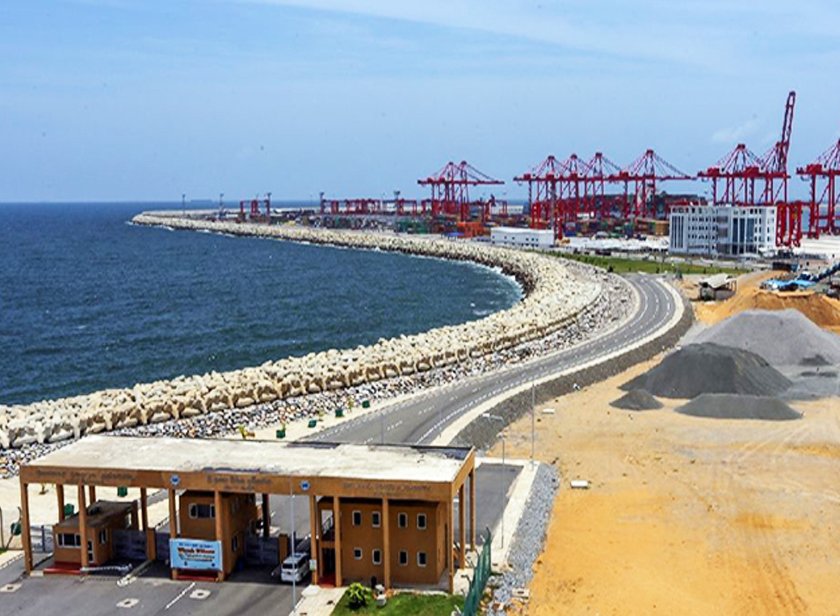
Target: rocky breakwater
[[554, 297]]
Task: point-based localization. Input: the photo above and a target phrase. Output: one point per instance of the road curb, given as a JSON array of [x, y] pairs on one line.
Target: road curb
[[483, 434]]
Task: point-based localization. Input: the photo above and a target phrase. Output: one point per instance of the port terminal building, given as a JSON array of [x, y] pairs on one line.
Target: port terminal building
[[385, 512]]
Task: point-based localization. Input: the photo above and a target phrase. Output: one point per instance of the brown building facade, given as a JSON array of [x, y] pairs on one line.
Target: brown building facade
[[384, 512]]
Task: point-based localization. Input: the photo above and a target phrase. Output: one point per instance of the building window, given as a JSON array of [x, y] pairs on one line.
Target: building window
[[377, 557], [402, 520], [69, 540], [234, 543], [403, 558], [421, 559], [376, 519], [357, 553], [421, 521], [357, 518], [202, 511], [103, 536]]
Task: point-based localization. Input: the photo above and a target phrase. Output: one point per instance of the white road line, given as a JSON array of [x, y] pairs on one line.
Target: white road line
[[180, 596]]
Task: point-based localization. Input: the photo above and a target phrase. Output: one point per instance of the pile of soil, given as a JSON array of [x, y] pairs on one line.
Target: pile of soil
[[729, 406], [637, 400], [710, 368], [783, 337], [821, 309]]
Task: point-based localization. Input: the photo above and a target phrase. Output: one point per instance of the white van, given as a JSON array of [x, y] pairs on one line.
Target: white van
[[295, 568]]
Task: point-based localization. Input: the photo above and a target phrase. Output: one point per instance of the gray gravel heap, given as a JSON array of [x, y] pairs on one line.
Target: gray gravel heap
[[729, 406], [529, 538], [782, 337], [710, 368], [637, 400]]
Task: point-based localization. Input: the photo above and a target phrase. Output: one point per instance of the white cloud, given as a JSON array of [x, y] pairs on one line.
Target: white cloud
[[736, 134]]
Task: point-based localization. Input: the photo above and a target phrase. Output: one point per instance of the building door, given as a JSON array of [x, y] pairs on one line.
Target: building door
[[328, 562]]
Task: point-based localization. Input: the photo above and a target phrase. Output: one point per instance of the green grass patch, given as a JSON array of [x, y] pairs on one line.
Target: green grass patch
[[404, 604], [624, 265]]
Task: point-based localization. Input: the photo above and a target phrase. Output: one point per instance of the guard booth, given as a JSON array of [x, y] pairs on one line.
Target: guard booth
[[374, 511], [98, 524]]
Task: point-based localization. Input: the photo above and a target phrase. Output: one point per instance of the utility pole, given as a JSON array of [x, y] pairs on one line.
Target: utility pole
[[184, 203]]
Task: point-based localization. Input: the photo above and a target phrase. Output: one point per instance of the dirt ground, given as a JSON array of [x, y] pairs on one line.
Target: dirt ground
[[686, 515], [821, 309]]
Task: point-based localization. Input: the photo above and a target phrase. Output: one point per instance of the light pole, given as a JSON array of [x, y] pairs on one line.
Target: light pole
[[504, 475], [533, 423], [294, 547], [184, 203]]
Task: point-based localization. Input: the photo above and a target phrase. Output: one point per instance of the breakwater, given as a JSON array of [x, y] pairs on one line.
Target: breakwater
[[553, 297]]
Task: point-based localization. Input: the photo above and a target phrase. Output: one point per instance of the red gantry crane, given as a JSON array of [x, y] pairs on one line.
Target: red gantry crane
[[823, 206], [554, 192], [741, 172], [644, 173], [450, 189], [599, 171]]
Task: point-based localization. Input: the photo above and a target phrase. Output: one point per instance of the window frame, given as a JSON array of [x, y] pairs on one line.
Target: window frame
[[376, 519], [425, 519], [356, 515], [358, 554], [425, 558], [402, 558], [373, 556], [402, 520]]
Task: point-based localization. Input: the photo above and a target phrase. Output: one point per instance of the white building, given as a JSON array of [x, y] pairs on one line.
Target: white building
[[529, 238], [722, 229]]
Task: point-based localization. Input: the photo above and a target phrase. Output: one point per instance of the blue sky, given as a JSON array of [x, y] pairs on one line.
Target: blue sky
[[146, 99]]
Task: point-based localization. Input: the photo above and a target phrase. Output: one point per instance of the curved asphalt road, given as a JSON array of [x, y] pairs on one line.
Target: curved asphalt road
[[420, 419]]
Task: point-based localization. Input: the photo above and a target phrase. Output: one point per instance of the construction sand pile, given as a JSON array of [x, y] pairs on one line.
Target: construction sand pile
[[822, 310], [637, 400], [729, 406], [710, 368], [783, 337]]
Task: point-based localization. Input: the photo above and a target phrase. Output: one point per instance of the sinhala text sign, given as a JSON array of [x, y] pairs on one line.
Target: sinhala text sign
[[195, 554]]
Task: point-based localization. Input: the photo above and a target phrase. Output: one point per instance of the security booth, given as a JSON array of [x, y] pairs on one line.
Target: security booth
[[100, 521], [384, 512]]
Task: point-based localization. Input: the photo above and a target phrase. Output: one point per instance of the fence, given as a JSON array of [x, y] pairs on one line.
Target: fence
[[480, 576], [42, 538]]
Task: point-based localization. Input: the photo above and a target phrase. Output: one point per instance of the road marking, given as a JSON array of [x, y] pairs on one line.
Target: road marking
[[199, 594], [10, 587], [127, 604], [180, 596]]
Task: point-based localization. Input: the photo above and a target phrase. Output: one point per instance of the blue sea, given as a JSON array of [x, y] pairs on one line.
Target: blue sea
[[88, 301]]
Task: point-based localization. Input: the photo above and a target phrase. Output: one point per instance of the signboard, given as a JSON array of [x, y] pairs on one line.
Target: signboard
[[313, 564], [195, 554]]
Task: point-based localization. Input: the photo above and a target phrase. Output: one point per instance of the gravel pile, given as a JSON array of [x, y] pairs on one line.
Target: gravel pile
[[528, 539], [615, 304], [782, 337], [637, 400], [710, 368], [729, 406]]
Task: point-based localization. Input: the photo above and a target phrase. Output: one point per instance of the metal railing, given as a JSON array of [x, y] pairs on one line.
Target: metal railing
[[480, 576]]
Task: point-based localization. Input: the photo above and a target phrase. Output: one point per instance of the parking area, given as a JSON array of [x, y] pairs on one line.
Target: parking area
[[248, 591]]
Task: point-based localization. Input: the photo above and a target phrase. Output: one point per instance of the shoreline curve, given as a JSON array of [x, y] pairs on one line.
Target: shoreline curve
[[552, 297]]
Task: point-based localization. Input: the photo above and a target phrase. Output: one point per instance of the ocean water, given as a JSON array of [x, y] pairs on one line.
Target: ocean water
[[88, 301]]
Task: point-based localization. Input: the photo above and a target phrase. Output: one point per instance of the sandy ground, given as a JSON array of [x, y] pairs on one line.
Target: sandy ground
[[686, 515]]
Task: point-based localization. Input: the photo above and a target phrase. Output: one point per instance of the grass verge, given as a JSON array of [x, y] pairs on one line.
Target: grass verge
[[624, 265], [404, 604]]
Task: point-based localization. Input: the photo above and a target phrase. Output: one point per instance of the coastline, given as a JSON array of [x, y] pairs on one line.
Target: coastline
[[552, 297]]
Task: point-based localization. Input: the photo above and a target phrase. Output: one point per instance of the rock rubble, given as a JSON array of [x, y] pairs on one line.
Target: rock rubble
[[564, 304]]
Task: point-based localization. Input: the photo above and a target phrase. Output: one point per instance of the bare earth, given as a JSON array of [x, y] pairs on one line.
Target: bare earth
[[686, 515]]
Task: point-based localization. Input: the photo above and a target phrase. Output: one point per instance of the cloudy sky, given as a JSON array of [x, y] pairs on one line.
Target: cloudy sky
[[148, 99]]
